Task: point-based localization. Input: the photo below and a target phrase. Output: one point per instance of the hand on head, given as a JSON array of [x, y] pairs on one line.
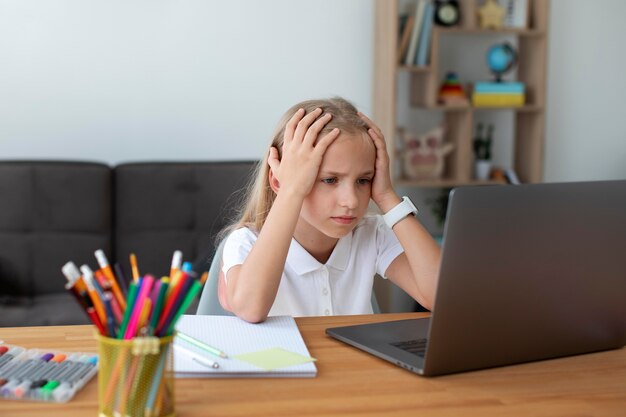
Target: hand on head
[[383, 193], [302, 152]]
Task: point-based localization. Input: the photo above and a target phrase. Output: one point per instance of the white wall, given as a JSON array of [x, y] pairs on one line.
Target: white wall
[[151, 80], [586, 114], [143, 80]]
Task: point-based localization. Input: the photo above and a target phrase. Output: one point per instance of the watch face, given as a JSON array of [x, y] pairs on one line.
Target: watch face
[[448, 14]]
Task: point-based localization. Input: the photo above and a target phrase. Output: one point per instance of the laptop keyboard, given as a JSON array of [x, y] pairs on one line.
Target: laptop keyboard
[[416, 346]]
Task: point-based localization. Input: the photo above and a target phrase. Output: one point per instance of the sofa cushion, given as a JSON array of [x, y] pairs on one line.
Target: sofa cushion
[[50, 212], [42, 310], [162, 207]]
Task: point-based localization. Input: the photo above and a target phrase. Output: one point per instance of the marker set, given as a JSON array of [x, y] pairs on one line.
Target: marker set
[[43, 375]]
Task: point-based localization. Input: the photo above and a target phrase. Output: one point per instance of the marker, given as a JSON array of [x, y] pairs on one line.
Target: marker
[[72, 274], [93, 293], [177, 259], [146, 285], [108, 273], [20, 381], [8, 356]]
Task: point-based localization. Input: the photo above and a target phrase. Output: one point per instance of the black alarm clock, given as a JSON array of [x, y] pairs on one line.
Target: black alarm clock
[[447, 12]]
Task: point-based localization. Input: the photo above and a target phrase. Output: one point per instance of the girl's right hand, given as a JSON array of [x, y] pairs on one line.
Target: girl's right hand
[[302, 151]]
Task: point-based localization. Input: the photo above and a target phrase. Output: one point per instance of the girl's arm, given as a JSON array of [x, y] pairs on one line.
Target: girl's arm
[[416, 270], [252, 286]]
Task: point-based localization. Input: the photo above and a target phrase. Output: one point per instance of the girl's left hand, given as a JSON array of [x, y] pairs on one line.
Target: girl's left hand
[[383, 193]]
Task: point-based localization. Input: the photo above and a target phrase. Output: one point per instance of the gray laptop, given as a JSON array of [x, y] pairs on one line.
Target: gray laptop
[[528, 272]]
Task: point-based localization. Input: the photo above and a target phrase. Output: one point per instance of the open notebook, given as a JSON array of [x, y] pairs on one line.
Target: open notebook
[[273, 348]]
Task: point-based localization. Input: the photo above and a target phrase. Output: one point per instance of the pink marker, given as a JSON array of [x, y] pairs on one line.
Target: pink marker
[[146, 285]]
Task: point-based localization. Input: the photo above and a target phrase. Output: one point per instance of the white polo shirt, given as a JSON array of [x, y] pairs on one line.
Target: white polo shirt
[[341, 286]]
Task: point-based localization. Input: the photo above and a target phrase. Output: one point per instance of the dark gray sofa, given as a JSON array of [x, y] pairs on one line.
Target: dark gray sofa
[[55, 211]]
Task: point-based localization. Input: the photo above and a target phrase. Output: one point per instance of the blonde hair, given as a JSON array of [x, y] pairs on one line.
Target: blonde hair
[[259, 196]]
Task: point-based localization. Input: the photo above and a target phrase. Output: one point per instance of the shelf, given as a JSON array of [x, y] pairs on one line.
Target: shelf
[[463, 107], [491, 32], [448, 183], [414, 68], [521, 109], [424, 82]]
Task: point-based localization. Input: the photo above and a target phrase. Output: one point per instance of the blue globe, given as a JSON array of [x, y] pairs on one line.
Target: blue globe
[[501, 58]]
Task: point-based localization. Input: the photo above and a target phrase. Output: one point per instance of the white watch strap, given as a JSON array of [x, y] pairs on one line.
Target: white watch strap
[[400, 211]]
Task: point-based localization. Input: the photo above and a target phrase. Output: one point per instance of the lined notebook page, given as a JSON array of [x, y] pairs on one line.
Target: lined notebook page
[[235, 336]]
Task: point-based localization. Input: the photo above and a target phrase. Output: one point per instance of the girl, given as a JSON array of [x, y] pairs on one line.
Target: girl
[[303, 245]]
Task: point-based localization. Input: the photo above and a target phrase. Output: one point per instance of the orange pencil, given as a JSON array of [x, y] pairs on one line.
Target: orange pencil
[[145, 313], [108, 273], [133, 267]]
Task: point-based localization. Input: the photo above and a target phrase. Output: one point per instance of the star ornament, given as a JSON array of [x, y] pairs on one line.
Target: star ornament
[[491, 15]]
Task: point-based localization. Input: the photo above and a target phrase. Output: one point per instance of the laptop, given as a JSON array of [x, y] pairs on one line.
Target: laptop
[[528, 272]]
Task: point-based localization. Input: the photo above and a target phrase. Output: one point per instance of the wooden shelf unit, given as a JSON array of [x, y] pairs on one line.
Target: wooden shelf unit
[[459, 120]]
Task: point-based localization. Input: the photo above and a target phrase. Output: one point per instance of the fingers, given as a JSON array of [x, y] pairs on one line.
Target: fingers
[[314, 130], [371, 124], [291, 125], [326, 140], [303, 125]]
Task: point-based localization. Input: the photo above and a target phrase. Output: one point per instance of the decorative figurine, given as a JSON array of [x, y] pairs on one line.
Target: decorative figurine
[[491, 15], [424, 154], [451, 91]]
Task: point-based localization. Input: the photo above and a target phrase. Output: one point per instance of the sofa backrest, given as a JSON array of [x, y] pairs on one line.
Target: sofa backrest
[[50, 212], [54, 212], [160, 207]]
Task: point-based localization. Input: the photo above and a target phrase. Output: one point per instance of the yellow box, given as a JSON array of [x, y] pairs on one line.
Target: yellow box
[[136, 377], [497, 100]]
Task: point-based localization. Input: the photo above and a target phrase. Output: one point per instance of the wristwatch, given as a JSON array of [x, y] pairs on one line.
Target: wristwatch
[[399, 212]]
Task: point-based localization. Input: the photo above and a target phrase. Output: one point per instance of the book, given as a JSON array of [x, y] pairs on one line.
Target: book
[[423, 47], [405, 37], [417, 28], [497, 99], [515, 13], [273, 348], [511, 176], [499, 87]]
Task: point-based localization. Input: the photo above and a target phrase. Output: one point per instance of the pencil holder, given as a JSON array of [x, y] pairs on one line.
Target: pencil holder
[[135, 377]]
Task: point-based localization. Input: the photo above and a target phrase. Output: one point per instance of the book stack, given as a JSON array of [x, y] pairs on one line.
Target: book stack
[[498, 94], [415, 33]]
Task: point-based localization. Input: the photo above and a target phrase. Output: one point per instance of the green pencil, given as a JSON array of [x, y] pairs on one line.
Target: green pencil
[[130, 303], [156, 312], [201, 345], [195, 289]]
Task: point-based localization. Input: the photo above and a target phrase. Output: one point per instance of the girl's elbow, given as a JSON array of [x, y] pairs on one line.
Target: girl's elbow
[[253, 318], [248, 311]]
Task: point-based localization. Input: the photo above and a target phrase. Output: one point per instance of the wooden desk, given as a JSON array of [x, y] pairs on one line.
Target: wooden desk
[[353, 383]]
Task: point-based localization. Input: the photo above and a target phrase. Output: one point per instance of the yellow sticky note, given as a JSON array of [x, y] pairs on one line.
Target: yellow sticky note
[[273, 358]]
